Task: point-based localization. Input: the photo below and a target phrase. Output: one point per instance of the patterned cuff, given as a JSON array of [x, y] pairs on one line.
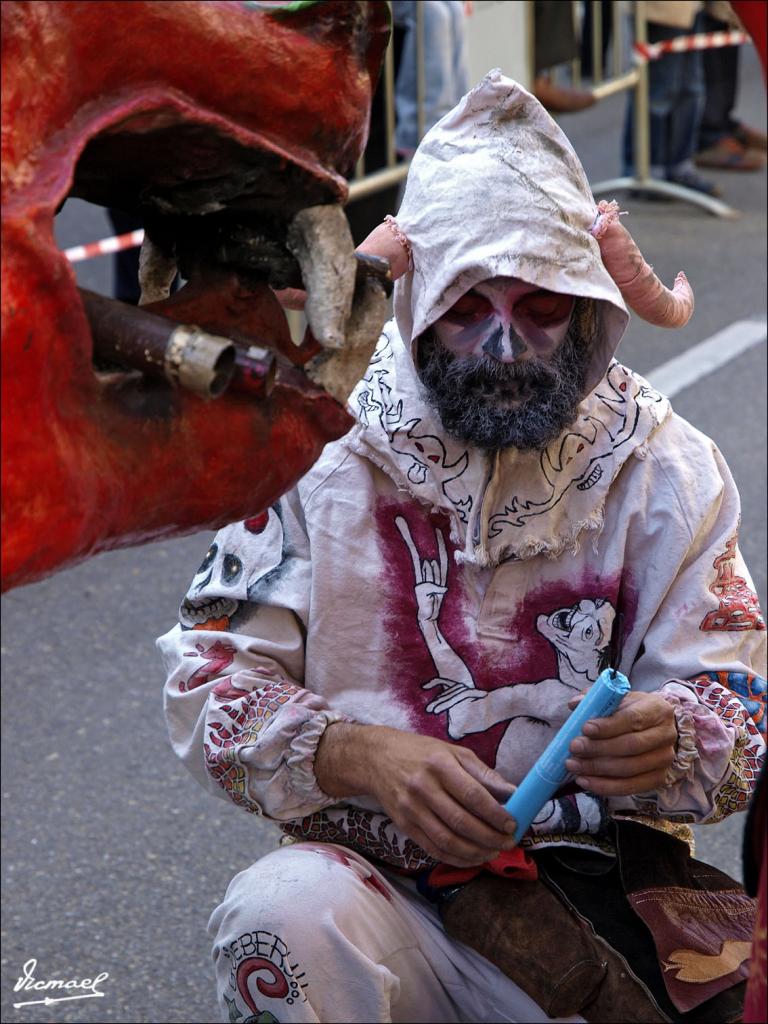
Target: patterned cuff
[[301, 758], [686, 751]]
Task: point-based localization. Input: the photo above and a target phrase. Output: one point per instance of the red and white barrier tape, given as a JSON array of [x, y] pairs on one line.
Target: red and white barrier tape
[[86, 252], [644, 52]]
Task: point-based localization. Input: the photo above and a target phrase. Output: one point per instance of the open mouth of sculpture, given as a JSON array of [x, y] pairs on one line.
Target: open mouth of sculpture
[[228, 128], [236, 222]]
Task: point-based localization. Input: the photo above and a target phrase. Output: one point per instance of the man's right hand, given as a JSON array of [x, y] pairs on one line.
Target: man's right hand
[[441, 796]]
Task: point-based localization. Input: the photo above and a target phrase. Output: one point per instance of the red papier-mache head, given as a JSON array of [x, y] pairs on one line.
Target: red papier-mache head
[[217, 123]]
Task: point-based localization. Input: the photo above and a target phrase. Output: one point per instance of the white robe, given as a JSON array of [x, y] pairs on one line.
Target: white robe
[[413, 582], [410, 581]]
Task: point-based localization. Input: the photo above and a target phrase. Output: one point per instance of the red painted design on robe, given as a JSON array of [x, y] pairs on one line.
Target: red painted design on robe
[[525, 658], [739, 608]]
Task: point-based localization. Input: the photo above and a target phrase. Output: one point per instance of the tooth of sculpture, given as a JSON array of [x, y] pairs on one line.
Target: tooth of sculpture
[[370, 310], [320, 239], [338, 372], [156, 272]]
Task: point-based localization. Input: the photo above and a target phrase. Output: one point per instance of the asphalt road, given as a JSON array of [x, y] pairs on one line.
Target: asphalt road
[[113, 856]]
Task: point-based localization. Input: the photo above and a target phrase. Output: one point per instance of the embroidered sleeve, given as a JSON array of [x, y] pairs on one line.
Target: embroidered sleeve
[[237, 714], [368, 832], [704, 650], [261, 733], [720, 746]]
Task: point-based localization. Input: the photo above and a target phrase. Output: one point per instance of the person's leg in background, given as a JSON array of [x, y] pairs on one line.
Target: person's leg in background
[[555, 43], [662, 82], [587, 57], [461, 82], [720, 78], [675, 102], [685, 118], [719, 145], [406, 108], [446, 76]]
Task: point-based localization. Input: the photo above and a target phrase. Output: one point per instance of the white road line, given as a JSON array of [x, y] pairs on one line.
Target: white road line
[[708, 356]]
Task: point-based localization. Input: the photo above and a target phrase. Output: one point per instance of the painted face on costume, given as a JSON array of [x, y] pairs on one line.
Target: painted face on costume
[[506, 319]]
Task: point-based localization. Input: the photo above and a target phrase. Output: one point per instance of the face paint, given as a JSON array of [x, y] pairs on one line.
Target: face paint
[[506, 319], [523, 404]]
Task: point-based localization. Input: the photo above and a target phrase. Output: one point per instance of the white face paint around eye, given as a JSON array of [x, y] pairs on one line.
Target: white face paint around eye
[[506, 319]]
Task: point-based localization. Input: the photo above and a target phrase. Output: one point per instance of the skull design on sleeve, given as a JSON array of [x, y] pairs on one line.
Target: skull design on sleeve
[[240, 556]]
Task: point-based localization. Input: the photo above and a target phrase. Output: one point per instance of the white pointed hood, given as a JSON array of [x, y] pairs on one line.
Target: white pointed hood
[[496, 189]]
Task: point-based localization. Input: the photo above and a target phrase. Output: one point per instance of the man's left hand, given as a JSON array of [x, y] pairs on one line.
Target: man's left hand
[[630, 752]]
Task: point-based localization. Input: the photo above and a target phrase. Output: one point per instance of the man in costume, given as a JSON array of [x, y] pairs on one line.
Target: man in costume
[[376, 660]]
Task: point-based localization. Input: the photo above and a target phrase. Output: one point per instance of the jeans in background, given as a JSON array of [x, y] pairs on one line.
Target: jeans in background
[[446, 73], [676, 96], [721, 77]]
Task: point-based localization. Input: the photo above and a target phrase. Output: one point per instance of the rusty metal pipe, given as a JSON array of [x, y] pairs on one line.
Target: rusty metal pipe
[[184, 355]]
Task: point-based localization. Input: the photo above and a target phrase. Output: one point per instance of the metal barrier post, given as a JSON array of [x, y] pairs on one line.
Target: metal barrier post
[[641, 180], [642, 125], [618, 39], [597, 42]]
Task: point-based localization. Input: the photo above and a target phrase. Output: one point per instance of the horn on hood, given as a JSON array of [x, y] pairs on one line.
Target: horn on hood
[[638, 284], [640, 287]]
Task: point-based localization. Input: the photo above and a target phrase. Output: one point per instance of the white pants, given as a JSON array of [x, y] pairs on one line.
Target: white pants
[[313, 932]]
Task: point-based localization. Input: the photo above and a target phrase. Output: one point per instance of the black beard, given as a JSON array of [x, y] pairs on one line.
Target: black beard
[[471, 395]]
